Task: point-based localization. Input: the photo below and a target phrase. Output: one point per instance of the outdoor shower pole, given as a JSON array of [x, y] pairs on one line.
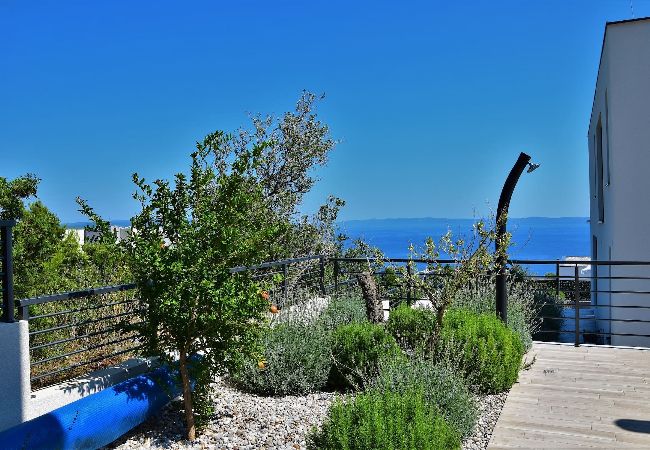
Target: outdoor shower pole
[[502, 218]]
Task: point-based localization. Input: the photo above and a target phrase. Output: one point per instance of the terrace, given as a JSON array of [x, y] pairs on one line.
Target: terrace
[[571, 395]]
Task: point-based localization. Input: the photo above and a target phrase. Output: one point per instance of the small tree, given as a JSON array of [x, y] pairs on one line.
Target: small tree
[[185, 240], [439, 282]]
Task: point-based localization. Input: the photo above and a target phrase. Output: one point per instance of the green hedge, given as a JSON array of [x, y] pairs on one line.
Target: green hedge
[[482, 348], [358, 350], [440, 386], [412, 327], [385, 420]]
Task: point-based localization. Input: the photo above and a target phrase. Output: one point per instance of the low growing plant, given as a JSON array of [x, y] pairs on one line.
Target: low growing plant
[[413, 328], [440, 386], [379, 420], [482, 348], [342, 311], [358, 349], [296, 361]]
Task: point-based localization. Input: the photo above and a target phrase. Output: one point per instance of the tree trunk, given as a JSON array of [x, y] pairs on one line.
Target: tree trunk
[[374, 308], [187, 397]]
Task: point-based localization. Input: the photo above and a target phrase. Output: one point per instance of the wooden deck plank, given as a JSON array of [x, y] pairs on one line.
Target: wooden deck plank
[[585, 397]]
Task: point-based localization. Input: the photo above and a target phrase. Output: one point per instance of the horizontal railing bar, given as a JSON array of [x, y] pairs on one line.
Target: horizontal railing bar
[[545, 262], [275, 263], [563, 263], [612, 334], [75, 294], [620, 306], [594, 319], [87, 349], [74, 366], [86, 322], [83, 336], [69, 311], [617, 292]]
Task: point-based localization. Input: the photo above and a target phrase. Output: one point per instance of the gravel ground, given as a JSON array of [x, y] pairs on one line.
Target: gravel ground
[[489, 410], [246, 422]]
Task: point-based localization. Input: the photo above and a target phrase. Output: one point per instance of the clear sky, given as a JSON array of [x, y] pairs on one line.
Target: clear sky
[[432, 101]]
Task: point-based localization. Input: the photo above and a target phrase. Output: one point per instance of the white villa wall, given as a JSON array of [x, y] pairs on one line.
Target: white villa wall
[[622, 103]]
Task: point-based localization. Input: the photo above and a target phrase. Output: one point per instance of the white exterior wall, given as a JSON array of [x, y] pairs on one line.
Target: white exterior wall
[[622, 102], [14, 374]]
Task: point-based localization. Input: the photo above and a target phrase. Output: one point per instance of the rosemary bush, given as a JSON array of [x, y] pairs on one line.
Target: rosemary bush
[[440, 386], [482, 348], [378, 420]]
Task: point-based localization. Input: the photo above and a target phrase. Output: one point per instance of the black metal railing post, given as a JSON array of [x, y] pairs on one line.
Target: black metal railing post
[[321, 275], [557, 280], [7, 271], [576, 302]]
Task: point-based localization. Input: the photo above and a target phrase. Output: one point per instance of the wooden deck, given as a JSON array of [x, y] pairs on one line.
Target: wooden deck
[[590, 396]]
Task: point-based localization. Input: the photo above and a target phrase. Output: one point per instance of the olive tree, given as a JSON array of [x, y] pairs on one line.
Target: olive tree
[[440, 282]]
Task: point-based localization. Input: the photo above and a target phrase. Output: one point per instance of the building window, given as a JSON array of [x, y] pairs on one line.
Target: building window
[[599, 172]]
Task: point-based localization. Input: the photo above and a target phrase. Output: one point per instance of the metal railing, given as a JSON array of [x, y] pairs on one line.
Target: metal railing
[[79, 329], [611, 305], [608, 304], [288, 278]]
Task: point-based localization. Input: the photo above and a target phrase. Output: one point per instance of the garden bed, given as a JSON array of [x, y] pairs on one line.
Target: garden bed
[[245, 422]]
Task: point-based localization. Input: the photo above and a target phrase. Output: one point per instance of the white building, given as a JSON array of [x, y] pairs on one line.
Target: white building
[[619, 179], [83, 236]]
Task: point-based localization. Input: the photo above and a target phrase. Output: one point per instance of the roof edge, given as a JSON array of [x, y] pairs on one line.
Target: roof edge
[[602, 48]]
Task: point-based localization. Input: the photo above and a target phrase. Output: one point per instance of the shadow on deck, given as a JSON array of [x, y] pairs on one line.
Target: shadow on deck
[[590, 396]]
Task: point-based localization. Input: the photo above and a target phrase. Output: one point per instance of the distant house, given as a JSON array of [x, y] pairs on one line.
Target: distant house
[[83, 236], [619, 179]]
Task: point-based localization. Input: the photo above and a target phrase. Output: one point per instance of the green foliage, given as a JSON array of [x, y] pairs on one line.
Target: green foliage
[[188, 237], [295, 353], [13, 193], [442, 282], [295, 359], [389, 420], [48, 260], [342, 311], [440, 386], [358, 350], [482, 348], [413, 328], [478, 296]]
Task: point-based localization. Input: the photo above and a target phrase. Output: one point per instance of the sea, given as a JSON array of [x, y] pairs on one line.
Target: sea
[[548, 238]]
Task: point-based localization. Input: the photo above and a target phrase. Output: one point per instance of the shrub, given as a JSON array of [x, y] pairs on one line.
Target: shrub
[[482, 348], [384, 420], [343, 311], [412, 327], [357, 350], [479, 297], [296, 360], [440, 387]]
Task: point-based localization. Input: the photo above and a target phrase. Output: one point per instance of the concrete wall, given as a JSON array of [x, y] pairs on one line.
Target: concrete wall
[[622, 104], [14, 373]]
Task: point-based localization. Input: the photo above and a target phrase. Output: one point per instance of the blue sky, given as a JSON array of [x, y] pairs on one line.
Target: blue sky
[[432, 101]]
